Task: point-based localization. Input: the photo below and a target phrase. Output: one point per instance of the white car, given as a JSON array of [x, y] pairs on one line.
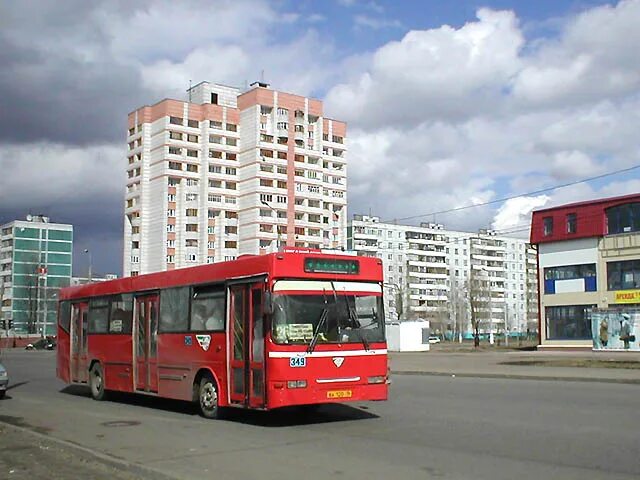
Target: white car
[[434, 339]]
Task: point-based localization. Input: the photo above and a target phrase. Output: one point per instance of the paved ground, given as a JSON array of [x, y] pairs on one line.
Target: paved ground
[[494, 365], [432, 427]]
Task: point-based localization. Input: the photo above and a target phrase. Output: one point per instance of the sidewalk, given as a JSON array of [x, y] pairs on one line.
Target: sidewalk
[[27, 455], [492, 365]]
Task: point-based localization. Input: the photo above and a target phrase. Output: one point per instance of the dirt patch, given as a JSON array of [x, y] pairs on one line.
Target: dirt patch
[[577, 363]]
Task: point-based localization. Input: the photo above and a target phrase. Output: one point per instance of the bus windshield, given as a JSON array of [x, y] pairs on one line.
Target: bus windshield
[[354, 312]]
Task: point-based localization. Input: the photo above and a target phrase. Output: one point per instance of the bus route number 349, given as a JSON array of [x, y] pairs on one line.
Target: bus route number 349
[[298, 361]]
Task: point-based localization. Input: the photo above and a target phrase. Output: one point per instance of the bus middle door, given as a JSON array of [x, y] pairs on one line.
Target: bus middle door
[[79, 342], [146, 343], [246, 360]]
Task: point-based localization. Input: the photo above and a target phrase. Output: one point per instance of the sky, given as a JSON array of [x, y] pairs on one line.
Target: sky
[[448, 104]]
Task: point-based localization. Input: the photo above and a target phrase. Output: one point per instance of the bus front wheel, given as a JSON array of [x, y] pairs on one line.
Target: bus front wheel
[[96, 382], [208, 398]]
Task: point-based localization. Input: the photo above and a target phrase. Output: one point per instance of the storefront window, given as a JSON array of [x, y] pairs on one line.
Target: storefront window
[[623, 275], [571, 322]]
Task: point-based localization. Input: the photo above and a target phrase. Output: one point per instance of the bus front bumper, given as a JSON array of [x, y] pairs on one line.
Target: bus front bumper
[[281, 395]]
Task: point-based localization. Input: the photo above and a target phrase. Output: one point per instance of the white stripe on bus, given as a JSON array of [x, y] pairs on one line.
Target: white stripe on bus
[[343, 353]]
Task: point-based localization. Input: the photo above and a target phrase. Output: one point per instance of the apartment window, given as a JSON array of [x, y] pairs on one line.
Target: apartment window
[[135, 259], [230, 200], [266, 138], [214, 98], [192, 153], [547, 225], [572, 223], [215, 124], [215, 184], [171, 228], [265, 228], [175, 135], [299, 216], [230, 170], [211, 230], [171, 258], [228, 214], [192, 212], [214, 198], [231, 156], [281, 214], [266, 197], [266, 168], [265, 110], [192, 138], [337, 139], [192, 123], [192, 182], [191, 257], [135, 230], [230, 229], [281, 199], [175, 151], [265, 212], [192, 168], [191, 242], [314, 218], [312, 175], [314, 203], [266, 183], [230, 185], [212, 213], [215, 139], [282, 184], [171, 243], [623, 275], [282, 155], [191, 227], [313, 188], [283, 111], [211, 245], [171, 197], [135, 244], [215, 169], [282, 170], [569, 272], [232, 141], [171, 212], [299, 173], [231, 127], [230, 244], [176, 120]]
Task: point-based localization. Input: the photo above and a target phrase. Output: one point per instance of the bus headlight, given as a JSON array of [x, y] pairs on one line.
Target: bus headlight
[[297, 384], [376, 379]]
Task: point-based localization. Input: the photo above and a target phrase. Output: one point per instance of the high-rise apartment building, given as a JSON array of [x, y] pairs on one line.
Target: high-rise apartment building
[[431, 272], [228, 173], [35, 262]]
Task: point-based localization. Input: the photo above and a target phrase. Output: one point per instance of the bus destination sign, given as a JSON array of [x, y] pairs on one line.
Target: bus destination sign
[[321, 265]]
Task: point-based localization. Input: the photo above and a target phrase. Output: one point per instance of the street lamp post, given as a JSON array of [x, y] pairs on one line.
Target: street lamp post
[[86, 250], [278, 242]]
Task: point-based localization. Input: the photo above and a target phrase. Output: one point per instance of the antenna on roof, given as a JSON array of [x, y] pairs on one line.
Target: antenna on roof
[[262, 76]]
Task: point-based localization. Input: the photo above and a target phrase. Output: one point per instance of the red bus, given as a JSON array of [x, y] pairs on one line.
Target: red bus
[[261, 332]]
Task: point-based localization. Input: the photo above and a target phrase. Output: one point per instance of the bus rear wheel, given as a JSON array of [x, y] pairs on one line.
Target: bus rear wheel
[[208, 398], [96, 382]]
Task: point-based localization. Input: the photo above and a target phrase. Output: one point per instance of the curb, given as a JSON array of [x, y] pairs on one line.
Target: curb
[[89, 453], [628, 381]]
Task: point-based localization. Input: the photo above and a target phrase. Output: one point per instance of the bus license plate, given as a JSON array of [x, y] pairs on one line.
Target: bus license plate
[[339, 394], [298, 362]]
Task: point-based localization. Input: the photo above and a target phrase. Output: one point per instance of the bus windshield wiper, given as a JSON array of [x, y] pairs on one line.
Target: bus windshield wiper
[[316, 335], [355, 322], [321, 322]]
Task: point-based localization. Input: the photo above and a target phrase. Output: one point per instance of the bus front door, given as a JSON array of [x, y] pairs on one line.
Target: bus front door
[[246, 360], [79, 339], [146, 343]]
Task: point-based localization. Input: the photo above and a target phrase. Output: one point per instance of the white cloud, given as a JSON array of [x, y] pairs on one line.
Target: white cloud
[[515, 214], [374, 23], [479, 109]]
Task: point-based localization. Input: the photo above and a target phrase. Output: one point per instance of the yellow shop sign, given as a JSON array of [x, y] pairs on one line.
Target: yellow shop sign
[[627, 296]]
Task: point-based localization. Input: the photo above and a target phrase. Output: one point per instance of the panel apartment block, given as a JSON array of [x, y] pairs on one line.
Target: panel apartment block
[[229, 173]]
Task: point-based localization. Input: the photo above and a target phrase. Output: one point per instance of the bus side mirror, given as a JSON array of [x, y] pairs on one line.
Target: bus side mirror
[[267, 308]]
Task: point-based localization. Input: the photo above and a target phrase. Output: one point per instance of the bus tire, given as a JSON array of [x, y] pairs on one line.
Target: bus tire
[[96, 382], [208, 398]]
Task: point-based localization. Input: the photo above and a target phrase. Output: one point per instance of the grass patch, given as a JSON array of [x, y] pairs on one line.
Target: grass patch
[[577, 363]]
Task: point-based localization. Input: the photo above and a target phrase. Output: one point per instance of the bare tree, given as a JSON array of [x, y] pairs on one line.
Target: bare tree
[[479, 292], [458, 307]]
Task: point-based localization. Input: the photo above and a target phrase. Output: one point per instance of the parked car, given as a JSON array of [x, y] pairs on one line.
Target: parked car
[[42, 344], [4, 380], [434, 339]]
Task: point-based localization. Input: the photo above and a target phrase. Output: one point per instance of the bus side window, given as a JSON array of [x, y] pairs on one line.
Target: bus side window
[[207, 309], [121, 314], [174, 310], [98, 315], [64, 315]]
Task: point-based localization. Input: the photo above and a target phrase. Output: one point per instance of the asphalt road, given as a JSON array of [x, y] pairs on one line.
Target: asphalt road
[[433, 427]]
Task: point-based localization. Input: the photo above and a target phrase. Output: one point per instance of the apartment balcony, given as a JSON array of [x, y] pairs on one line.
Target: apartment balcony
[[489, 248], [429, 298], [427, 241], [429, 275], [421, 252], [365, 236], [428, 264], [488, 258]]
